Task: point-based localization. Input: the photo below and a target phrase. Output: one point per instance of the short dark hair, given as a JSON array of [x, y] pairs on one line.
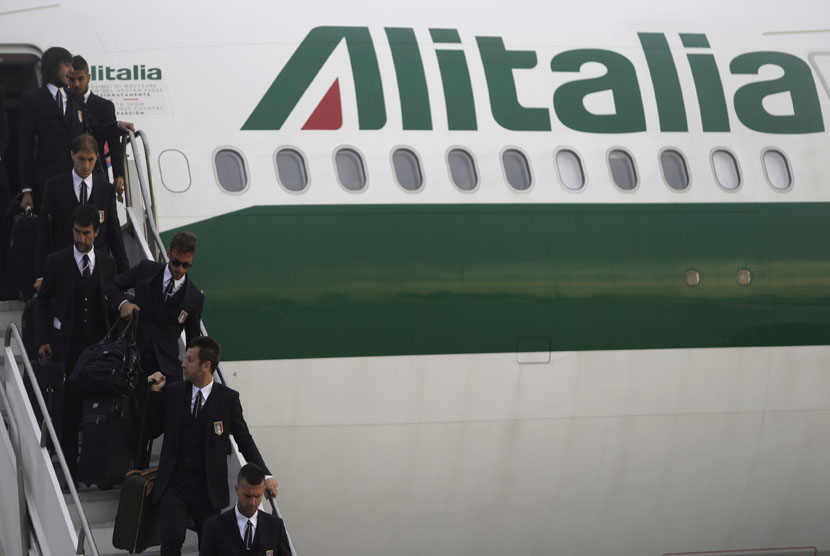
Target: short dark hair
[[86, 215], [78, 63], [183, 242], [251, 473], [84, 142], [208, 350], [51, 62]]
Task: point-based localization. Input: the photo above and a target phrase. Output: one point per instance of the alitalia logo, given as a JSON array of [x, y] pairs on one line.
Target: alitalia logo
[[717, 112]]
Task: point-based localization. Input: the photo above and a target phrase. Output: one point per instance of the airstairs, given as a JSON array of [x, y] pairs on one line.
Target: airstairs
[[37, 516]]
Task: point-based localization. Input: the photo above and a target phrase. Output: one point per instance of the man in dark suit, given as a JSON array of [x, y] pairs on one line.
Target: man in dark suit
[[49, 118], [71, 312], [5, 194], [245, 529], [197, 417], [101, 111], [169, 302], [64, 192]]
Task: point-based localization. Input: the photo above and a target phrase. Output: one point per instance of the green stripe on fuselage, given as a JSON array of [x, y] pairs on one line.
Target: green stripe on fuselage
[[344, 281]]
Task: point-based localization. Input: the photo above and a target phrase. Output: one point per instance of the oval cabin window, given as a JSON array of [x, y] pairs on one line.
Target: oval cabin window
[[230, 170], [462, 169], [726, 169], [622, 169], [407, 169], [350, 169], [516, 169], [569, 166], [291, 170], [777, 170]]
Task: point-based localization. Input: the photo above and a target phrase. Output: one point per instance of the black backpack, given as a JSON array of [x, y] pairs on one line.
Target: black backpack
[[111, 366]]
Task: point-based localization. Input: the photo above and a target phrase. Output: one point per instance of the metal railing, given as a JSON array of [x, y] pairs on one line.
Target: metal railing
[[146, 190], [14, 440], [47, 433]]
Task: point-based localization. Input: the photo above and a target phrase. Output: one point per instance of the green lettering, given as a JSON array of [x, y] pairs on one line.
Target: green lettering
[[667, 92], [154, 74], [287, 89], [620, 79], [797, 81], [412, 81], [458, 89], [499, 64]]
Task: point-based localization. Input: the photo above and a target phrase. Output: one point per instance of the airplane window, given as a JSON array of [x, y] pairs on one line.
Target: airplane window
[[230, 170], [622, 169], [674, 169], [407, 169], [462, 169], [175, 171], [570, 170], [291, 170], [777, 169], [516, 169], [350, 169], [726, 169]]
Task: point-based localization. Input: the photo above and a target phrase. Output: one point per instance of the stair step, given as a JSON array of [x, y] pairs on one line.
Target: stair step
[[102, 532]]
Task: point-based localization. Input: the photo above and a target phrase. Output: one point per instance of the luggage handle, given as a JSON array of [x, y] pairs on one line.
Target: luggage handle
[[132, 326]]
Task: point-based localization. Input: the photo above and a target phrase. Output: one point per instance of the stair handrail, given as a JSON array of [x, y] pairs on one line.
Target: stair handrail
[[14, 436], [145, 182], [47, 432]]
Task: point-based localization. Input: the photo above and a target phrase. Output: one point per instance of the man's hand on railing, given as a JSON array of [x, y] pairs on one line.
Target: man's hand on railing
[[119, 185], [124, 127], [271, 485]]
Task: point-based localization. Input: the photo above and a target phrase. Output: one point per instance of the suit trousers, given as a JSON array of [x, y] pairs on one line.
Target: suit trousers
[[178, 503]]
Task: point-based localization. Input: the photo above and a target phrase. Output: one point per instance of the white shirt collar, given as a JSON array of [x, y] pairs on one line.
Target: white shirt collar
[[86, 94], [79, 257], [242, 521], [166, 278], [76, 180], [205, 393], [53, 90]]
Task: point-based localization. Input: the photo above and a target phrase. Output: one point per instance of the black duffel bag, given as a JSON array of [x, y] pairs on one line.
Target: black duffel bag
[[109, 367]]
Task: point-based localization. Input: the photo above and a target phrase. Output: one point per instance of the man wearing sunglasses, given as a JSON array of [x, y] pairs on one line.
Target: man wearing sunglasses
[[168, 302]]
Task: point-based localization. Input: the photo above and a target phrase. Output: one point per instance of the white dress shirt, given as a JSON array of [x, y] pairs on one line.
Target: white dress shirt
[[166, 279], [76, 179], [205, 391], [55, 91], [242, 522], [79, 259]]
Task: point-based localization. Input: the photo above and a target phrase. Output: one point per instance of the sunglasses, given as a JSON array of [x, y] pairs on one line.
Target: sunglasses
[[177, 262]]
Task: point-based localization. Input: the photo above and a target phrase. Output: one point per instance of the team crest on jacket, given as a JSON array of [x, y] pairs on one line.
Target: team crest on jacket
[[81, 116], [182, 316], [101, 216], [269, 553], [218, 428]]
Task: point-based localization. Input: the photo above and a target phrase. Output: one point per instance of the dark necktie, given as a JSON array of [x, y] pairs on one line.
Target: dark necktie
[[86, 271], [59, 98], [84, 194], [198, 405], [249, 535], [168, 291]]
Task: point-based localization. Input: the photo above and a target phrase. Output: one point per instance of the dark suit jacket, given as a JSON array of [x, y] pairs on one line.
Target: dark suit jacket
[[222, 414], [5, 194], [155, 324], [56, 208], [46, 138], [57, 298], [102, 112], [221, 536]]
